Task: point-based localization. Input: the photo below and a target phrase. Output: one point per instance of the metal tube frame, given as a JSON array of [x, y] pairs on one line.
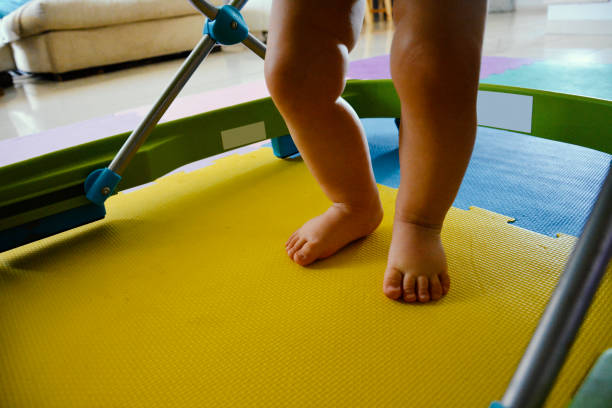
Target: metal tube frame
[[195, 58], [553, 338], [144, 129], [205, 8]]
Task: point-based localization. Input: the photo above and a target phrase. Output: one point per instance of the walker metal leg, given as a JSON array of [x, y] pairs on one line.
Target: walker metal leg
[[566, 309], [225, 26], [199, 53], [140, 134]]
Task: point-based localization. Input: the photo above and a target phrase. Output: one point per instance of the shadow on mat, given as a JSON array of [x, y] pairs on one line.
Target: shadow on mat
[[65, 249], [87, 239]]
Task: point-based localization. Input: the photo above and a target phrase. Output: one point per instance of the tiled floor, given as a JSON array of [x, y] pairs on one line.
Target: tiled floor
[[34, 105]]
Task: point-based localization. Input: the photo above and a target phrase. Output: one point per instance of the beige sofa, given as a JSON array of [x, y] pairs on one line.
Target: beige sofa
[[6, 64], [58, 36]]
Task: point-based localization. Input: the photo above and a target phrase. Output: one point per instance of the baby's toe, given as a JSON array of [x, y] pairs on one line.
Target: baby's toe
[[297, 245], [445, 282], [435, 288], [409, 293], [291, 240], [307, 254], [423, 289], [392, 283]]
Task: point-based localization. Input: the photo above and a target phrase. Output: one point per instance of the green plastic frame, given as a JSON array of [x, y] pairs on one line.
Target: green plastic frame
[[46, 185]]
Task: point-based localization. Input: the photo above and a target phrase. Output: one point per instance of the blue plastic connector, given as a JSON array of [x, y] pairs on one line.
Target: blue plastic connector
[[496, 405], [100, 184], [283, 146], [228, 27]]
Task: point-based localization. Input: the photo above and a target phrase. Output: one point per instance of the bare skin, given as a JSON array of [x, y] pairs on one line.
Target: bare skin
[[435, 59]]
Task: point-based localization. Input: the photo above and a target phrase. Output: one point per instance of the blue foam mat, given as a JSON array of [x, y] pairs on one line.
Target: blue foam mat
[[547, 186]]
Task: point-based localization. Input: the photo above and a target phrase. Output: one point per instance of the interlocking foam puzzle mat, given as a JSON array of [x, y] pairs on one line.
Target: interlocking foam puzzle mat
[[546, 186], [586, 79], [592, 80], [184, 296]]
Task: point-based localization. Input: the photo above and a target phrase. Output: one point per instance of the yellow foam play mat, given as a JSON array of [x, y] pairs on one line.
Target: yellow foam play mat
[[184, 297]]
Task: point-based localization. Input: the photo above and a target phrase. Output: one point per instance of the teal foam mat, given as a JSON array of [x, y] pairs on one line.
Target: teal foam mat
[[592, 80], [596, 391]]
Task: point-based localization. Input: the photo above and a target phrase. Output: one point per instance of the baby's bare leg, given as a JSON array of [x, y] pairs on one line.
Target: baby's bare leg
[[435, 61], [305, 66]]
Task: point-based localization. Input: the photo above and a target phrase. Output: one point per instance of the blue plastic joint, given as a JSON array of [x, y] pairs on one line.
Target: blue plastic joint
[[496, 405], [228, 27], [283, 146], [100, 184]]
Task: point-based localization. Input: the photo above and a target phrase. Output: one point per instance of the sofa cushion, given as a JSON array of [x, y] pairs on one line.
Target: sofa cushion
[[69, 50], [39, 16]]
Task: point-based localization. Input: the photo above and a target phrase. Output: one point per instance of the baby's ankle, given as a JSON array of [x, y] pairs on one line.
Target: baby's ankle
[[370, 204], [417, 224], [368, 213]]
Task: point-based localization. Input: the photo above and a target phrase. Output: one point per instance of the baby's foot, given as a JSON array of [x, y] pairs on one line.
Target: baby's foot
[[326, 234], [416, 269]]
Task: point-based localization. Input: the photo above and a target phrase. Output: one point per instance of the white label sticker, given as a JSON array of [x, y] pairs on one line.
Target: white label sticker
[[505, 110], [243, 135]]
